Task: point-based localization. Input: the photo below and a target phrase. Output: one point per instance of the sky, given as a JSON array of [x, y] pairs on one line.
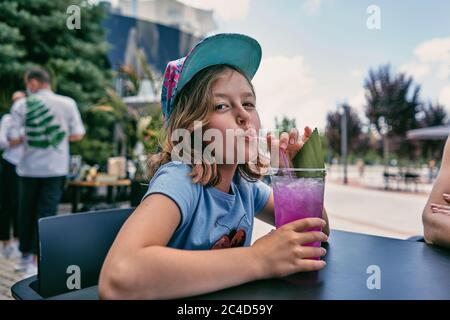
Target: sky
[[317, 53]]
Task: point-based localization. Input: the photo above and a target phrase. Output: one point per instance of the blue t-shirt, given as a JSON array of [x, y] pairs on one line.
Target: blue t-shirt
[[210, 218]]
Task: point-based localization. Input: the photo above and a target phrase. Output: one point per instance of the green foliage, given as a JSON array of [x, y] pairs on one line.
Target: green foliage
[[149, 132], [392, 105], [285, 124], [333, 130], [34, 33], [432, 115], [100, 122]]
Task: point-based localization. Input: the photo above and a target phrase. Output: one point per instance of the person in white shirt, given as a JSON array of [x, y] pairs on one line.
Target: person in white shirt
[[50, 122], [9, 194]]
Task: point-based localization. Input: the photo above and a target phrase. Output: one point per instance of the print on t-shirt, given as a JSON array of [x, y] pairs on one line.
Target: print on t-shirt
[[235, 238], [40, 131]]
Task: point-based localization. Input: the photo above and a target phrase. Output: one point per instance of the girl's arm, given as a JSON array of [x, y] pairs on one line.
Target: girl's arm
[[140, 266], [267, 215], [437, 225]]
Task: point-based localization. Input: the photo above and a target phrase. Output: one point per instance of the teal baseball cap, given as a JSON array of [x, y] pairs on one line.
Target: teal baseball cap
[[237, 50]]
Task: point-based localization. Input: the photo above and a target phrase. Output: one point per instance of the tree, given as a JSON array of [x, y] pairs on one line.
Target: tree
[[392, 104], [432, 115], [10, 57], [285, 124], [333, 130], [36, 33]]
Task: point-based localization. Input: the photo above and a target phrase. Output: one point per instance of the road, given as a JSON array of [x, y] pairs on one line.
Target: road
[[384, 213]]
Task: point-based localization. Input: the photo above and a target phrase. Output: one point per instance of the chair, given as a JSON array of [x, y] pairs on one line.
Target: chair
[[80, 240]]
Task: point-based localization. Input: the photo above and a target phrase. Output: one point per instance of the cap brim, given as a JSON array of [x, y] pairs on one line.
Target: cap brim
[[234, 49]]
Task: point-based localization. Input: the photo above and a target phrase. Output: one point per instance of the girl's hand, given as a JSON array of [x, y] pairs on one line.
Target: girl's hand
[[281, 252], [440, 208], [291, 142]]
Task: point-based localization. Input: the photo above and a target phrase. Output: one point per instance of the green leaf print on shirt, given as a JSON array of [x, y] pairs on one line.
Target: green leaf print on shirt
[[40, 131]]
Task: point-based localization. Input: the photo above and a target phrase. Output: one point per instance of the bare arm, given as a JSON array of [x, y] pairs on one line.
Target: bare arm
[[75, 137], [267, 215], [139, 266], [436, 225], [16, 142]]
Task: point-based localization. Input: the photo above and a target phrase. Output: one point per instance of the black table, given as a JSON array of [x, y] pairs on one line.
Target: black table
[[409, 270], [77, 185]]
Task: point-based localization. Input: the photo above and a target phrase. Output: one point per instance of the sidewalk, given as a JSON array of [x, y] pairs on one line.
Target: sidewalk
[[7, 274]]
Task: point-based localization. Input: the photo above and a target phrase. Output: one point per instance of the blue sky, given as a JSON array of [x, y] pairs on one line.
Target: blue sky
[[317, 53]]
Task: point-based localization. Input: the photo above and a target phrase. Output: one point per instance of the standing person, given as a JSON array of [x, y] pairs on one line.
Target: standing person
[[360, 165], [9, 194], [50, 122], [431, 170]]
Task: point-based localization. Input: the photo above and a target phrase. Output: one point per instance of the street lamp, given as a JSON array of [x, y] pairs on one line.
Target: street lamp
[[343, 111]]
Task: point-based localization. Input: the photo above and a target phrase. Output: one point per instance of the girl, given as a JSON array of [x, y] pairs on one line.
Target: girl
[[163, 250]]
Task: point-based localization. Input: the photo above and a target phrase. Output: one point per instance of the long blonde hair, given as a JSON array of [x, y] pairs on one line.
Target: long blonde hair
[[195, 103]]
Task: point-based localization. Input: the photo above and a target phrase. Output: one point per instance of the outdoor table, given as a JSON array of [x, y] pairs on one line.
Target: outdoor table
[[76, 185], [409, 270]]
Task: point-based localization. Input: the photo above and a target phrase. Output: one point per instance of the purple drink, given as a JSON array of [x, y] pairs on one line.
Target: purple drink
[[298, 194]]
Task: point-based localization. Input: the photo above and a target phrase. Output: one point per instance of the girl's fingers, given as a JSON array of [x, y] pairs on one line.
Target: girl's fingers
[[446, 212], [313, 252], [293, 136], [290, 142], [284, 140], [307, 133], [446, 197], [312, 236], [312, 265], [301, 225], [440, 206]]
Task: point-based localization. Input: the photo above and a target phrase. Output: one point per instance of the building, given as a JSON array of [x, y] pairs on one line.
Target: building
[[170, 13]]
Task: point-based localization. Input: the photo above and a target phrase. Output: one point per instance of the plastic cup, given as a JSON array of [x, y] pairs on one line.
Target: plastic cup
[[298, 194]]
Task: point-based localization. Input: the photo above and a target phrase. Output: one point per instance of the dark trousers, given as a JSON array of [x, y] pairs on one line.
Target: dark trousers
[[9, 199], [39, 198]]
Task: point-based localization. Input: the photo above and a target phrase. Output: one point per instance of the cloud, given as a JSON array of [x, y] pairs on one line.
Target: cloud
[[225, 9], [430, 57], [311, 7], [444, 96], [356, 73], [416, 69], [435, 50], [285, 86], [357, 102]]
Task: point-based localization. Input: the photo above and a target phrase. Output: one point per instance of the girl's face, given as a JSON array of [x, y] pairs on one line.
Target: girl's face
[[235, 110]]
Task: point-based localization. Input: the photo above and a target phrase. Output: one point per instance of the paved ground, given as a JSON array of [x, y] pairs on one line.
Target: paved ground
[[361, 207], [384, 213]]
